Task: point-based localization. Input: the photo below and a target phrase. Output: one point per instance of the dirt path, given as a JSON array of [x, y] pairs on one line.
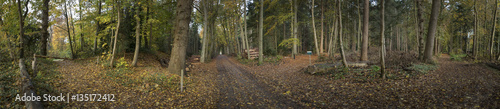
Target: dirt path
[[240, 88]]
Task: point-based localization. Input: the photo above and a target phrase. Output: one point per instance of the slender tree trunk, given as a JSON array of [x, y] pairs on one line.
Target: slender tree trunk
[[322, 35], [137, 33], [364, 49], [116, 34], [344, 62], [314, 30], [261, 30], [97, 27], [146, 40], [68, 30], [359, 27], [295, 4], [493, 31], [82, 42], [246, 30], [476, 32], [432, 30], [21, 27], [382, 39]]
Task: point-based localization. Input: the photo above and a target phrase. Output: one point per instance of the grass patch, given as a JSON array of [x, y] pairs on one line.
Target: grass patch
[[423, 68]]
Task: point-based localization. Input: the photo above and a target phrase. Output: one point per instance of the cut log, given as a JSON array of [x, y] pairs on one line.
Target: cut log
[[40, 56], [27, 87]]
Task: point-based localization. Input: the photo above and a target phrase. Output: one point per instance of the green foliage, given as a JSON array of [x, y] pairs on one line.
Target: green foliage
[[288, 43], [374, 68], [457, 57]]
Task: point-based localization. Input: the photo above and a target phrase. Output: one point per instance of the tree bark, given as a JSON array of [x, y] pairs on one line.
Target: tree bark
[[476, 32], [294, 51], [27, 86], [322, 35], [137, 34], [205, 32], [21, 26], [45, 26], [82, 42], [261, 31], [116, 35], [420, 29], [178, 54], [432, 30], [364, 49], [314, 30], [344, 62], [97, 27], [382, 39]]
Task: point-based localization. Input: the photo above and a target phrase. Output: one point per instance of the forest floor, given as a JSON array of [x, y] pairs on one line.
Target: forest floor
[[226, 83]]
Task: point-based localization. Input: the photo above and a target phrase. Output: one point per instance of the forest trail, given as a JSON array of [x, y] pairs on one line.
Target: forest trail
[[240, 88]]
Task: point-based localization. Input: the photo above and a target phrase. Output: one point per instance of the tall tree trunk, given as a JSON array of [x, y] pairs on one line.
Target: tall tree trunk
[[205, 32], [295, 4], [344, 62], [432, 30], [359, 27], [314, 30], [417, 34], [178, 54], [68, 30], [493, 31], [98, 27], [353, 37], [45, 25], [137, 33], [246, 30], [146, 41], [364, 49], [382, 39], [82, 42], [322, 35], [116, 34], [261, 31], [420, 29], [476, 32], [21, 27]]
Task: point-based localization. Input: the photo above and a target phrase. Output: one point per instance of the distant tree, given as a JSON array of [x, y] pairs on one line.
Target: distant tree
[[68, 29]]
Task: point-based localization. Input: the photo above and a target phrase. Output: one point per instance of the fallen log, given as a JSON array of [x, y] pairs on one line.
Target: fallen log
[[41, 56], [27, 87]]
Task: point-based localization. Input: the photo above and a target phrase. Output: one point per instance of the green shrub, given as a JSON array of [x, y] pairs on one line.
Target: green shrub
[[457, 57]]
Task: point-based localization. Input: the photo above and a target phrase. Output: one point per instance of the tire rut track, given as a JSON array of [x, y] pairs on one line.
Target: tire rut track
[[241, 89]]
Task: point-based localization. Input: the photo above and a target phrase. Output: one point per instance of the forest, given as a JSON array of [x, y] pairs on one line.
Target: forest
[[249, 54]]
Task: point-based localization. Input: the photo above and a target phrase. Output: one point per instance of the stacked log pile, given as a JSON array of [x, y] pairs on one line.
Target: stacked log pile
[[254, 53]]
